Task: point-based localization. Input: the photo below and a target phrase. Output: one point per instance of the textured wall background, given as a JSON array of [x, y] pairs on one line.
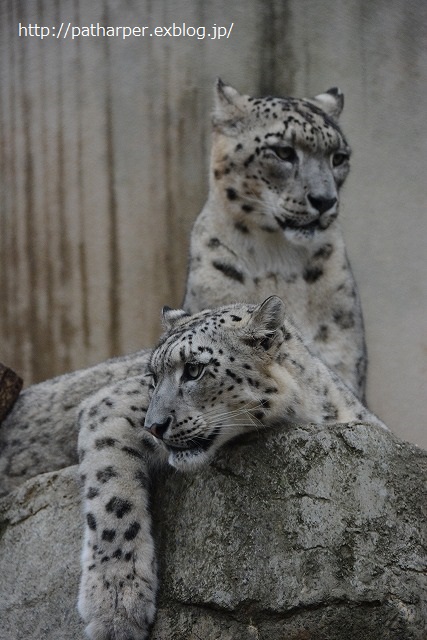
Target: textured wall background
[[103, 168]]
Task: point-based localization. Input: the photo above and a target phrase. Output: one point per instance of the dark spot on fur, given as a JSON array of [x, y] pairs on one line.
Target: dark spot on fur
[[119, 506], [286, 335], [134, 453], [92, 493], [247, 208], [322, 334], [213, 243], [311, 274], [330, 411], [142, 479], [229, 271], [104, 475], [91, 522], [132, 531], [324, 252], [344, 319], [101, 443], [231, 193], [109, 535], [241, 227]]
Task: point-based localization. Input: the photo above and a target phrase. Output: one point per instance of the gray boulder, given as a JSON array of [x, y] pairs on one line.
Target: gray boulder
[[313, 533]]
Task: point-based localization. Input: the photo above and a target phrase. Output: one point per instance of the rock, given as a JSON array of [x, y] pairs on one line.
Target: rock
[[313, 533], [40, 540]]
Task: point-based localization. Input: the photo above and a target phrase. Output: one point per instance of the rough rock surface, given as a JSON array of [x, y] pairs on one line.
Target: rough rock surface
[[309, 534]]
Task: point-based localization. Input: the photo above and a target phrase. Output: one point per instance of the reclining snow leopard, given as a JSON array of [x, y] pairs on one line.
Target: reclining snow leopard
[[213, 376], [269, 227]]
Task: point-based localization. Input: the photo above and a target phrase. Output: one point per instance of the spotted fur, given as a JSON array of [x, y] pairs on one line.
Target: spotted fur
[[213, 376], [270, 225], [266, 229]]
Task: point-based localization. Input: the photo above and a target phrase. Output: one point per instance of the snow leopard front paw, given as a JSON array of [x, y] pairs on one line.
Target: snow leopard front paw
[[117, 603]]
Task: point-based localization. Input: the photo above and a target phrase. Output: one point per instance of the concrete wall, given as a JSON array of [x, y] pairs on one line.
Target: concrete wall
[[103, 168]]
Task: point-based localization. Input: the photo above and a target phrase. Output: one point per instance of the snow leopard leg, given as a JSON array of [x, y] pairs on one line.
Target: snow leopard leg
[[119, 581]]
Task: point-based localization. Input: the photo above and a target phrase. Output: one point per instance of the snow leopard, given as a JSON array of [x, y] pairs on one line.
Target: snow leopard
[[270, 226], [213, 376]]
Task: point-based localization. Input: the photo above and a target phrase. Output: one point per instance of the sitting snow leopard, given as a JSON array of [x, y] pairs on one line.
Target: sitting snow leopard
[[213, 376], [269, 227], [270, 223]]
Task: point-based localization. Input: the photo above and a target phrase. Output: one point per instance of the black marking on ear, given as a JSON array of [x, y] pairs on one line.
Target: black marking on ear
[[267, 318], [171, 316], [229, 271]]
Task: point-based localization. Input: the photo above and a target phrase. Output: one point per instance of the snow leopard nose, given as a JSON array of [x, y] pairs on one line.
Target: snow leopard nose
[[158, 429], [322, 204]]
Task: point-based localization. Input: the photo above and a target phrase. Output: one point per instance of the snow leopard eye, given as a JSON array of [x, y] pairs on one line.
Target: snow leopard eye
[[193, 370], [339, 158], [152, 379], [287, 154]]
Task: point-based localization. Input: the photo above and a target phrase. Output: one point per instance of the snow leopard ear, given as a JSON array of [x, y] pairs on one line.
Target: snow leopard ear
[[172, 317], [331, 102], [267, 319], [229, 109]]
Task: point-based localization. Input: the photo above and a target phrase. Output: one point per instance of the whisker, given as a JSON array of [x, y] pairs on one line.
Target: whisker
[[238, 411]]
